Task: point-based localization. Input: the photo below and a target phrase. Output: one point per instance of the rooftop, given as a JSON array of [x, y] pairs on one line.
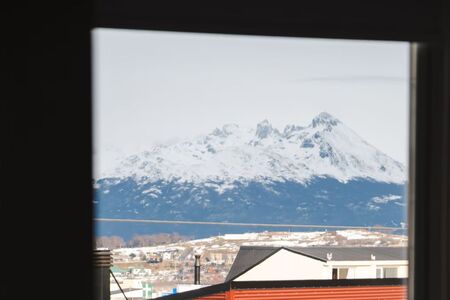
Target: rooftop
[[249, 256], [392, 288]]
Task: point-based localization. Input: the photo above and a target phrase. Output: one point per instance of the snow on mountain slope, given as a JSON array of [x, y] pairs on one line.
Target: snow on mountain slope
[[324, 148]]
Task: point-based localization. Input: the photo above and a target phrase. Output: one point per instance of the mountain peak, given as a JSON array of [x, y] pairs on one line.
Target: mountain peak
[[325, 118], [264, 122], [325, 148], [226, 130], [264, 129]]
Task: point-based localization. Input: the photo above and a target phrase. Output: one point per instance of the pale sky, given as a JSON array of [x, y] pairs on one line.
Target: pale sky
[[155, 87]]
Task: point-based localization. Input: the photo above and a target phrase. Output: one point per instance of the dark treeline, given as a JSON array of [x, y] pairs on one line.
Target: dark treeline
[[145, 240]]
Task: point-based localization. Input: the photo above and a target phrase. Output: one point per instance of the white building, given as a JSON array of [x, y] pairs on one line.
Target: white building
[[167, 255], [189, 287], [255, 263], [130, 293], [131, 287], [140, 272]]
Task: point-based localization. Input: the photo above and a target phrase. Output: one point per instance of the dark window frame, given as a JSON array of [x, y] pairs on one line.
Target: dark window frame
[[50, 116], [422, 25]]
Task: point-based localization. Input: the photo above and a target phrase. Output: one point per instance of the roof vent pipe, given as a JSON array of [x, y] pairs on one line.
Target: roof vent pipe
[[102, 263], [197, 269]]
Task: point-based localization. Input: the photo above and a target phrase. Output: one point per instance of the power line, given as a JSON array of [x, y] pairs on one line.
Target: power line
[[123, 293], [245, 224]]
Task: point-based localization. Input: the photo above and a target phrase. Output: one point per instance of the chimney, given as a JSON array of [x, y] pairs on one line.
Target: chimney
[[197, 269], [102, 263]]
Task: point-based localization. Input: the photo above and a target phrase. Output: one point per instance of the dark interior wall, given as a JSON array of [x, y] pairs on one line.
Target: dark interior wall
[[46, 121], [432, 189], [46, 151], [382, 19], [431, 236]]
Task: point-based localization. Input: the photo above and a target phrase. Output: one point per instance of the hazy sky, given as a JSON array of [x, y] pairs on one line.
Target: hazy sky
[[152, 87]]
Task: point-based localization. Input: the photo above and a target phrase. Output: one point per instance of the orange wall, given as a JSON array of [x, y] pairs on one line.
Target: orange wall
[[348, 293]]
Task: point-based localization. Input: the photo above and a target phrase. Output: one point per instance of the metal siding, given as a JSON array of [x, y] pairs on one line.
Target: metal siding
[[348, 293], [353, 293]]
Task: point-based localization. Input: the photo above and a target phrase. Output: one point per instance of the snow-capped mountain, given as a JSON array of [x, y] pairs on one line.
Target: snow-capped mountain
[[324, 148], [322, 173]]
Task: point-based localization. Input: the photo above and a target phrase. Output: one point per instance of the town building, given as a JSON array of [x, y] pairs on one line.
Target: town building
[[259, 263]]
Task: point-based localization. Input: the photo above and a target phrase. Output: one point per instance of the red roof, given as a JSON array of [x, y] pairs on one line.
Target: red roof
[[348, 293], [348, 289]]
